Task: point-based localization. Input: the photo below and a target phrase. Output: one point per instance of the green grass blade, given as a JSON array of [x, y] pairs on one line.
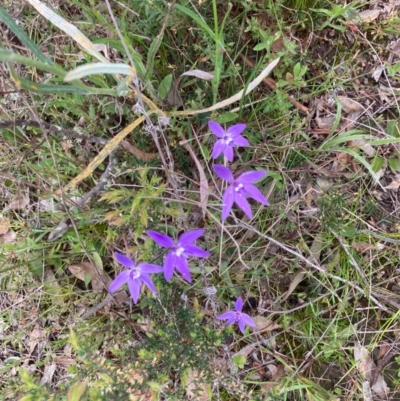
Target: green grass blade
[[99, 68], [31, 86], [10, 56], [23, 37], [197, 19], [345, 137], [384, 141]]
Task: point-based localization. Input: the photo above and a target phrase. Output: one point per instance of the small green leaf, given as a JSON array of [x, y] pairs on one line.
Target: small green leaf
[[76, 391], [377, 163], [394, 164], [260, 46], [165, 86], [227, 117], [97, 260], [239, 361]]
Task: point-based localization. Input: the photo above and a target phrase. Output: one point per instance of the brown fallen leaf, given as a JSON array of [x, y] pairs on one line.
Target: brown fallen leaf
[[245, 351], [265, 324], [349, 105], [48, 373], [361, 246], [9, 237], [4, 225], [395, 184], [20, 201], [366, 366], [97, 277], [369, 15]]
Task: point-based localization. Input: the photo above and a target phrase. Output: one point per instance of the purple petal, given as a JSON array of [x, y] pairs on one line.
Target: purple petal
[[218, 148], [148, 281], [169, 265], [239, 304], [228, 152], [183, 267], [216, 129], [255, 193], [243, 204], [248, 321], [124, 260], [240, 141], [190, 237], [149, 268], [227, 316], [134, 288], [223, 172], [161, 239], [121, 279], [194, 250], [251, 176], [242, 325], [228, 198], [236, 129]]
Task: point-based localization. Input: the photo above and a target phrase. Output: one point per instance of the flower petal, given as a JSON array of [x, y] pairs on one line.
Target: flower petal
[[216, 129], [228, 152], [218, 148], [223, 172], [248, 321], [134, 288], [243, 204], [121, 279], [228, 199], [124, 260], [239, 304], [149, 268], [161, 239], [251, 176], [227, 316], [194, 250], [256, 194], [169, 265], [183, 267], [242, 325], [190, 237], [240, 141], [149, 282], [236, 129]]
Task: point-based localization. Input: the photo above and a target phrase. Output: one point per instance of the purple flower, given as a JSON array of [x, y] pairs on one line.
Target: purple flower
[[134, 276], [180, 251], [240, 189], [237, 316], [228, 139]]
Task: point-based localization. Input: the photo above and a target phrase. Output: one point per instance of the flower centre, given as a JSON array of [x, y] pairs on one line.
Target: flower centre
[[227, 139], [237, 316], [238, 187], [134, 274], [179, 251]]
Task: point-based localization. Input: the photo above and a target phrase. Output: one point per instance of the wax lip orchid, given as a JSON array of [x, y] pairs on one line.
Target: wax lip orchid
[[240, 189], [180, 251], [227, 139], [134, 276], [237, 316]]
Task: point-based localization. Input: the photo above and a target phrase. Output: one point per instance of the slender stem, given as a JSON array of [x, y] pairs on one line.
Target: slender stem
[[217, 73]]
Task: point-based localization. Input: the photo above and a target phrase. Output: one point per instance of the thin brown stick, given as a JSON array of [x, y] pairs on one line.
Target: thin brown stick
[[272, 85]]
